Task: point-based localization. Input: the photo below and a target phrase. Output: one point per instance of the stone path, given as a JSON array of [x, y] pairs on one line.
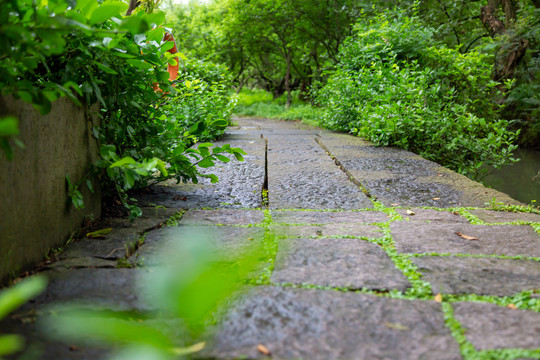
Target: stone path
[[372, 253]]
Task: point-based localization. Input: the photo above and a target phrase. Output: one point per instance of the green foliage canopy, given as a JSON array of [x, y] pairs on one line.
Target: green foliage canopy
[[394, 87], [91, 52]]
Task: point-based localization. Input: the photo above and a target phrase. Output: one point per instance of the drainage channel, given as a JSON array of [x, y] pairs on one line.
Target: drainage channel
[[340, 165]]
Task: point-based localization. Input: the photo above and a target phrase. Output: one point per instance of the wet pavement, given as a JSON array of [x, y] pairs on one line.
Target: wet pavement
[[371, 253]]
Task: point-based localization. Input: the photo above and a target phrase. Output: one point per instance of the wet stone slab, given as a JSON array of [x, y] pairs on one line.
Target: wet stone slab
[[225, 217], [350, 263], [114, 288], [343, 141], [326, 325], [224, 241], [510, 240], [482, 276], [81, 262], [490, 216], [398, 166], [124, 233], [113, 247], [398, 177], [42, 346], [429, 216], [328, 217], [367, 231], [488, 326], [240, 184], [301, 175], [407, 190], [313, 190]]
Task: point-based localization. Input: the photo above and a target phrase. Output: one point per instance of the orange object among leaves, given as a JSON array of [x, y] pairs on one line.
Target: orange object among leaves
[[171, 69]]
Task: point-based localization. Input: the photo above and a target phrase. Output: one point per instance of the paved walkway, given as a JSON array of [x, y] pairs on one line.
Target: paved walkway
[[379, 254]]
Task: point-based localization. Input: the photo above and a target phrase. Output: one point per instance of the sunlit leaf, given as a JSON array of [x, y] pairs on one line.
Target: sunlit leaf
[[98, 233], [13, 297], [106, 11], [10, 344], [140, 64], [124, 161], [9, 126]]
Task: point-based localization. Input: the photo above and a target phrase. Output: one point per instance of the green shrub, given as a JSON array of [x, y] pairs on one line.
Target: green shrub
[[248, 97], [92, 53], [396, 87], [260, 103]]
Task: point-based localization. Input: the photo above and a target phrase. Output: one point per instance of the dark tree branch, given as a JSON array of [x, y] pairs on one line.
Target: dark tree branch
[[133, 4], [475, 40]]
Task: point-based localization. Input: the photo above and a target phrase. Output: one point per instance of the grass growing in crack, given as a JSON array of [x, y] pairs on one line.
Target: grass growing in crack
[[324, 210], [467, 349], [458, 332], [506, 354], [517, 257], [499, 206], [475, 220], [173, 220], [270, 246], [522, 300], [264, 195]]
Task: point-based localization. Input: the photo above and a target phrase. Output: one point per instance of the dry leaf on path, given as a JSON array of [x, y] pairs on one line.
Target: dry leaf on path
[[466, 237], [438, 298], [410, 212], [396, 326], [436, 198], [98, 234], [511, 306], [263, 349]]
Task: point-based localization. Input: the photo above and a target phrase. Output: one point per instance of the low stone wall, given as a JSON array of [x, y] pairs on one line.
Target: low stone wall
[[35, 211]]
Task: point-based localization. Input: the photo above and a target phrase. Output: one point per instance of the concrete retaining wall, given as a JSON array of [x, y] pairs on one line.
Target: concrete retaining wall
[[35, 212]]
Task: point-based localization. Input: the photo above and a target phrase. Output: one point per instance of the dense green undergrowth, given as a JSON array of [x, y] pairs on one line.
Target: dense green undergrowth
[[90, 52], [261, 104], [396, 86]]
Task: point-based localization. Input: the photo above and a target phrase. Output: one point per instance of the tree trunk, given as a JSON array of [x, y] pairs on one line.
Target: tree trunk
[[288, 80], [507, 61], [509, 57], [132, 6]]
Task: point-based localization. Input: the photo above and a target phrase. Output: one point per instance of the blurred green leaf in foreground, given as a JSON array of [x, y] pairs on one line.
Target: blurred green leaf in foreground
[[187, 292]]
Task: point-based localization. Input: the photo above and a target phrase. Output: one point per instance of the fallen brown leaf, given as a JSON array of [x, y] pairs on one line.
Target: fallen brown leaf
[[177, 197], [73, 348], [511, 306], [436, 198], [466, 237], [263, 350], [438, 298]]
